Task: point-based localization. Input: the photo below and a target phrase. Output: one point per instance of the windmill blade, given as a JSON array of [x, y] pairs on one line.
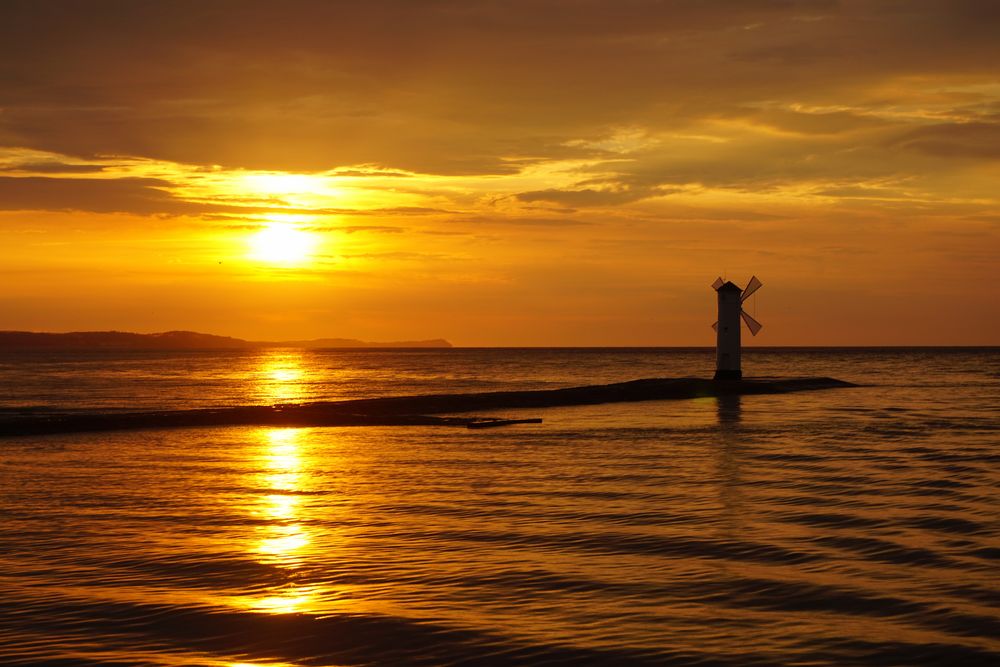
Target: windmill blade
[[752, 287], [715, 326], [752, 324], [719, 282]]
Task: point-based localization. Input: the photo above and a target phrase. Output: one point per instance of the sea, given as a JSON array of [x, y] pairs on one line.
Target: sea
[[849, 526]]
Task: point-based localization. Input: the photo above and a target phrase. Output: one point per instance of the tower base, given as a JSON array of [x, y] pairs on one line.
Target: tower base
[[728, 375]]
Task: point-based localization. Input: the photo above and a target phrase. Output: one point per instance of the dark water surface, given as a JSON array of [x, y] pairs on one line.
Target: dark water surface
[[850, 526]]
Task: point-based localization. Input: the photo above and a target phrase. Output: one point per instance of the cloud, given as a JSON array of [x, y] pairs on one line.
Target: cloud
[[52, 168], [525, 221], [815, 123], [403, 256], [448, 87], [593, 197], [371, 172], [398, 211], [859, 192], [381, 229], [796, 55], [141, 196], [961, 140]]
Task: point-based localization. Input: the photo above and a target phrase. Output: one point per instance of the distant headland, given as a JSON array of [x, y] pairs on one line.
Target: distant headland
[[179, 340]]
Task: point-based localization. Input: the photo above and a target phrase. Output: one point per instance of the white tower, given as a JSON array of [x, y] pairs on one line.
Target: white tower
[[727, 328]]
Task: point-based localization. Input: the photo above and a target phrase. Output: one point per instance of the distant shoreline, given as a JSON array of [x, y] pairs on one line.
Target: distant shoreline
[[182, 340], [179, 341]]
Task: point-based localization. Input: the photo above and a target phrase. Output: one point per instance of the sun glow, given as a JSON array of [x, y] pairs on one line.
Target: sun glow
[[283, 244], [277, 183]]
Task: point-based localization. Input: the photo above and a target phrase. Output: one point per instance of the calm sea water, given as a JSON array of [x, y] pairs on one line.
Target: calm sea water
[[849, 526]]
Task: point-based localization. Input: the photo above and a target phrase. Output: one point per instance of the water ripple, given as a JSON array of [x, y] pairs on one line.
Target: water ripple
[[836, 529]]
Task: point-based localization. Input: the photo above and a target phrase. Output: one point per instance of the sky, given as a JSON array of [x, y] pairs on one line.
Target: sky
[[516, 172]]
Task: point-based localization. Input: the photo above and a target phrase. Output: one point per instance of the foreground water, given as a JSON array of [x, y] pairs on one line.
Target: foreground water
[[854, 526]]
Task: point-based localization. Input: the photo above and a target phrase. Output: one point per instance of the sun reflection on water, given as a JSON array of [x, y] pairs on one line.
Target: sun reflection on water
[[288, 601], [284, 507], [281, 376], [285, 536]]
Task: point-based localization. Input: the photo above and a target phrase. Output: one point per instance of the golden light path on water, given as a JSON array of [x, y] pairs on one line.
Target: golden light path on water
[[284, 536], [283, 533], [281, 377]]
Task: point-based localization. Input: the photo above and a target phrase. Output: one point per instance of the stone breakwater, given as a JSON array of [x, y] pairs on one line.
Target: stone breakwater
[[421, 410]]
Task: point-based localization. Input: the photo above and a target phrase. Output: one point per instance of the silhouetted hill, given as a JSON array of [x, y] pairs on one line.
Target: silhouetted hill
[[119, 340], [174, 340]]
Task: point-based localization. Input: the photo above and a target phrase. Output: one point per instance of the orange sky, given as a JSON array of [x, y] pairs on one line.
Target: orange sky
[[504, 172]]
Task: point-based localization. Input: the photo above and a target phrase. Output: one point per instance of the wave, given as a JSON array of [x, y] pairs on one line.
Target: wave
[[219, 634]]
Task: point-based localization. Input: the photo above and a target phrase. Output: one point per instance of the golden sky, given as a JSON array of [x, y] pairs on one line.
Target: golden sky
[[516, 172]]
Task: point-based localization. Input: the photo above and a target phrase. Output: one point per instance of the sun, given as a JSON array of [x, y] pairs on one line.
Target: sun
[[282, 244]]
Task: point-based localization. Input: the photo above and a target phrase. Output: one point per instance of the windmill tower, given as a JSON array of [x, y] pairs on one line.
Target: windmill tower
[[727, 328]]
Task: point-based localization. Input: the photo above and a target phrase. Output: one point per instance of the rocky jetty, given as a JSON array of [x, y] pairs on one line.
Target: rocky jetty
[[422, 410]]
